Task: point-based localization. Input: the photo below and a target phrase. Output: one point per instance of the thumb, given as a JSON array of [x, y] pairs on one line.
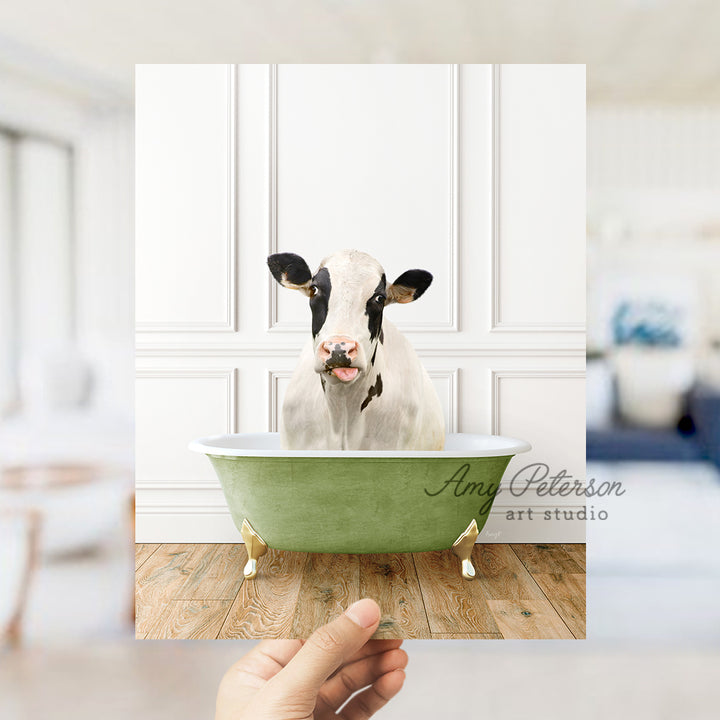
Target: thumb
[[328, 648]]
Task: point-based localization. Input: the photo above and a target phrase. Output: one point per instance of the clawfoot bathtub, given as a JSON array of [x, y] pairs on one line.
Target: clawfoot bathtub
[[363, 501]]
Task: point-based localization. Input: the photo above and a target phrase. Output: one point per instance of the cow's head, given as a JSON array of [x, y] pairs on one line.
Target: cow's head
[[347, 296]]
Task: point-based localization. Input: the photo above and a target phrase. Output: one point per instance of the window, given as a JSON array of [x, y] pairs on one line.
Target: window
[[37, 268]]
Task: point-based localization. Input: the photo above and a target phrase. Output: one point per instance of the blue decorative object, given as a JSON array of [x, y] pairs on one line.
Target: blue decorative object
[[649, 323]]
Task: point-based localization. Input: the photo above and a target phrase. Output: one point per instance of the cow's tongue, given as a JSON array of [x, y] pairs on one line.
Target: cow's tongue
[[345, 373]]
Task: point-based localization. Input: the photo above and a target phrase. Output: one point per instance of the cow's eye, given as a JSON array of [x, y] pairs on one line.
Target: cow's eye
[[313, 290], [380, 299]]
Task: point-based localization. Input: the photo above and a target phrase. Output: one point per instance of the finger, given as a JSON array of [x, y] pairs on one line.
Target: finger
[[280, 651], [370, 700], [355, 676], [245, 677], [374, 647], [328, 648], [266, 659]]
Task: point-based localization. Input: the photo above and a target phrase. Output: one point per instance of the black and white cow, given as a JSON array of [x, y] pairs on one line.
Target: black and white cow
[[359, 384]]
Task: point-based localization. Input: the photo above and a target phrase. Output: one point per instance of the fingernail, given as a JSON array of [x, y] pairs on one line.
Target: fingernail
[[364, 612]]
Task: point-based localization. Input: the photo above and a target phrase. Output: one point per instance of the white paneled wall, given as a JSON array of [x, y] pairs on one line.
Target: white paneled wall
[[363, 128], [541, 202], [474, 172], [184, 204]]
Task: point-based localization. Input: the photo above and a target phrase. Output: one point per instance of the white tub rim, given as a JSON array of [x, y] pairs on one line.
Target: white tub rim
[[267, 444]]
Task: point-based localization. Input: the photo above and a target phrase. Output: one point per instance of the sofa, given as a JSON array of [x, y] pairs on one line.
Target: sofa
[[696, 437]]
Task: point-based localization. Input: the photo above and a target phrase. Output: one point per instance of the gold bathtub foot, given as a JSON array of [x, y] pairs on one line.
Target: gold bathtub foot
[[463, 547], [256, 547]]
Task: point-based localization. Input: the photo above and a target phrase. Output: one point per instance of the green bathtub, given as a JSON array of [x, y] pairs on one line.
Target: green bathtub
[[365, 501]]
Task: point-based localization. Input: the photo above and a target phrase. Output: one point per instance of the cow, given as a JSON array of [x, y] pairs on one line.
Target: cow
[[358, 385]]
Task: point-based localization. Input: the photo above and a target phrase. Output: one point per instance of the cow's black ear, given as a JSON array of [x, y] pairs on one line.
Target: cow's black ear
[[291, 271], [409, 286]]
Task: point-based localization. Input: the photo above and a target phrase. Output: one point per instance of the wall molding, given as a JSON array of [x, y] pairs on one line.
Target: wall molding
[[497, 324], [269, 350], [496, 376], [273, 395], [272, 241], [178, 485], [274, 324], [538, 327], [229, 324], [451, 375], [166, 509], [227, 374]]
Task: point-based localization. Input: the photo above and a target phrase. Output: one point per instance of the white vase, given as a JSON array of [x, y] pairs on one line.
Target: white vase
[[652, 383]]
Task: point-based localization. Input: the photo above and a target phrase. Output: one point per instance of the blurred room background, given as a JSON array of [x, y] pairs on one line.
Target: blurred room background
[[66, 399], [653, 366], [66, 355]]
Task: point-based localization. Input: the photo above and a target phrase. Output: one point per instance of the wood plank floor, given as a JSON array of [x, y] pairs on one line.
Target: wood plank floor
[[520, 591]]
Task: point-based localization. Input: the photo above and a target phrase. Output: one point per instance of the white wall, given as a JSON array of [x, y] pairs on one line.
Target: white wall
[[474, 172]]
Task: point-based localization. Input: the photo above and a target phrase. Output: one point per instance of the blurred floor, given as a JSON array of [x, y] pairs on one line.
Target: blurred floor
[[513, 679], [653, 565]]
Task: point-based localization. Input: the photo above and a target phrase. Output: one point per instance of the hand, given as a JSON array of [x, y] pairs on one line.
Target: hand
[[304, 680]]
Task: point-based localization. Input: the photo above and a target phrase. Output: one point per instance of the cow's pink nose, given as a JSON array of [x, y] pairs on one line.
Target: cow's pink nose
[[339, 345]]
